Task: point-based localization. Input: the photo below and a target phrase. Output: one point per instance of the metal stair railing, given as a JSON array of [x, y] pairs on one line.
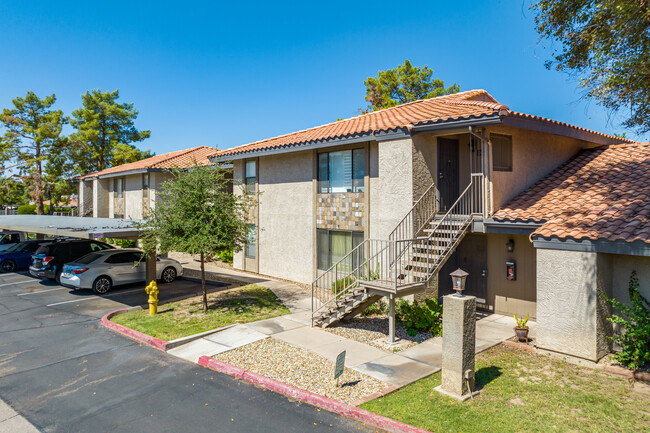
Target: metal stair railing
[[457, 220], [418, 217], [392, 263]]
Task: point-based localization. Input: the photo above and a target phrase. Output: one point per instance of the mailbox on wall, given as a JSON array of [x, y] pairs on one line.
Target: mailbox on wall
[[511, 271]]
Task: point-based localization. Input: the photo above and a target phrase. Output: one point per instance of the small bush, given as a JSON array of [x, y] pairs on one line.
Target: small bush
[[122, 243], [425, 317], [635, 341], [225, 255], [30, 209], [342, 283], [378, 307]]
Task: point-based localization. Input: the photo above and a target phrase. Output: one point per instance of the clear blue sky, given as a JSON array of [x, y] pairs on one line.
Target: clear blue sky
[[225, 74]]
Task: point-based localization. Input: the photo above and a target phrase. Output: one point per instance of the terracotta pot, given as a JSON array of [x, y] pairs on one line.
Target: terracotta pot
[[522, 334]]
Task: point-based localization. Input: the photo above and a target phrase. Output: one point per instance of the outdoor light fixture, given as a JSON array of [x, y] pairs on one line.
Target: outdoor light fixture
[[458, 278], [510, 245]]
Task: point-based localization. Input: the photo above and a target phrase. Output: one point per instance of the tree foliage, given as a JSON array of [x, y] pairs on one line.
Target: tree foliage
[[197, 215], [635, 341], [13, 191], [32, 141], [403, 84], [607, 43], [104, 132]]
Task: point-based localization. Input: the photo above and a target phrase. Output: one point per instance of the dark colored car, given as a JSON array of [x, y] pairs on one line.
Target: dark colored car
[[19, 256], [48, 260]]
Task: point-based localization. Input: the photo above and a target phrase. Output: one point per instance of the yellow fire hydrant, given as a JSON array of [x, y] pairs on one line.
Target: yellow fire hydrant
[[152, 291]]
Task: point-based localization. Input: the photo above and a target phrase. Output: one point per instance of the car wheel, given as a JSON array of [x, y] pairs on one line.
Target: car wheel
[[102, 285], [57, 278], [169, 275], [8, 266]]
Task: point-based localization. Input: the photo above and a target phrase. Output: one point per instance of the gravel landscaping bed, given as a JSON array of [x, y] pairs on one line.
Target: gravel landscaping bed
[[373, 330], [303, 369]]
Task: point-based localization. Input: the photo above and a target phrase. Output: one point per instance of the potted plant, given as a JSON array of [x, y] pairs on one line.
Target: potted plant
[[521, 330]]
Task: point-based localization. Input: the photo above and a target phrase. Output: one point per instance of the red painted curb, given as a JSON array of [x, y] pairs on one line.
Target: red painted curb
[[156, 343], [320, 401]]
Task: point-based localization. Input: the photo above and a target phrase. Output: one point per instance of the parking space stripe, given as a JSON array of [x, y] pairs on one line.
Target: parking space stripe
[[19, 282], [42, 291], [96, 297]]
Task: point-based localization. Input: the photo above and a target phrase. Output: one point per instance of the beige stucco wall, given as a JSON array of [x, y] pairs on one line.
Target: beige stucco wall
[[286, 216], [101, 198], [85, 198], [391, 186], [622, 267], [534, 155], [570, 313], [133, 196], [511, 297]]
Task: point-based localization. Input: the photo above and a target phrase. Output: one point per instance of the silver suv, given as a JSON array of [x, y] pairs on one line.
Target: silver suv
[[102, 270]]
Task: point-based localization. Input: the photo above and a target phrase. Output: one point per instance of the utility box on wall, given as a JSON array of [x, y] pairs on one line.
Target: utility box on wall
[[511, 271]]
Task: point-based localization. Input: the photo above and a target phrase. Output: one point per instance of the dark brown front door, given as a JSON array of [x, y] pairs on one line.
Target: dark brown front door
[[470, 256], [447, 172]]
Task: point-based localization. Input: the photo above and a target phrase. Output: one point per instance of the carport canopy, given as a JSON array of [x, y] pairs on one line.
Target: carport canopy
[[72, 226], [78, 227]]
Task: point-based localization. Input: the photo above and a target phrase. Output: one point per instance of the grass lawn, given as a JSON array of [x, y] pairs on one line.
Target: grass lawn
[[186, 317], [523, 392]]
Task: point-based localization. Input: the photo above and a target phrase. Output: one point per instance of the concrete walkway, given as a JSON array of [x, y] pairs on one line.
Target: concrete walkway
[[398, 369], [12, 422]]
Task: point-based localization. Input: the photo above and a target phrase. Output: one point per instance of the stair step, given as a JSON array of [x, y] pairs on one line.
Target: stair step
[[439, 230]]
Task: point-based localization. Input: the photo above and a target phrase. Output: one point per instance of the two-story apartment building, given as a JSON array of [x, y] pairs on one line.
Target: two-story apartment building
[[388, 203], [129, 190]]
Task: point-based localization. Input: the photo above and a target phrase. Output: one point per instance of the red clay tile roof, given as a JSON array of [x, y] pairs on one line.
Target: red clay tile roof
[[472, 104], [180, 158], [601, 194]]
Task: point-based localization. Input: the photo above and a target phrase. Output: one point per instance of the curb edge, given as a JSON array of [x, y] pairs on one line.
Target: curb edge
[[311, 398], [156, 343]]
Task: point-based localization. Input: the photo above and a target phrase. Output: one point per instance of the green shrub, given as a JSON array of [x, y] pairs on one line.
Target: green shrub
[[635, 341], [122, 243], [425, 317], [30, 209], [342, 283], [226, 255], [378, 307]]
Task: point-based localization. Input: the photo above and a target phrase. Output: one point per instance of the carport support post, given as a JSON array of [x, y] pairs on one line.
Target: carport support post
[[151, 266]]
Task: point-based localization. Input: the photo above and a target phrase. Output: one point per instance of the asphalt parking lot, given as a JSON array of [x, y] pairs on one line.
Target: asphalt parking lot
[[64, 372]]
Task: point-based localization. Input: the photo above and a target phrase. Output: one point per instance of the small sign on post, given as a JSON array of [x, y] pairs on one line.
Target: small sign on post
[[340, 365]]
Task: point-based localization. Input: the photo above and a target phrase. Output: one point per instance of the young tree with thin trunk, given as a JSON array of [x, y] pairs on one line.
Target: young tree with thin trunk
[[32, 141], [196, 214], [104, 132]]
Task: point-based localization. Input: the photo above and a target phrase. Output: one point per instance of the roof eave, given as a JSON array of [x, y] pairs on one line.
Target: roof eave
[[636, 248], [566, 130]]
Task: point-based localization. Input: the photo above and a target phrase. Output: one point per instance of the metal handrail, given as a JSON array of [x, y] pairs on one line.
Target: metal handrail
[[393, 261], [426, 205]]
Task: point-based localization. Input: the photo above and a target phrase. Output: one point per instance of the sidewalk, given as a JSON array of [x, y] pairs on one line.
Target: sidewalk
[[12, 422], [397, 369]]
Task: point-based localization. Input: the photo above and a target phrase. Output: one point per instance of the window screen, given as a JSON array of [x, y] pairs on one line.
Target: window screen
[[118, 187], [334, 245], [501, 152], [341, 171], [250, 175]]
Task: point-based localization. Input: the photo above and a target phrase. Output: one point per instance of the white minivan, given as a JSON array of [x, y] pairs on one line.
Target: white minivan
[[8, 239]]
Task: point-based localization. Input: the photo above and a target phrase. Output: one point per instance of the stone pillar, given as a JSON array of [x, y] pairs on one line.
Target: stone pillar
[[458, 346]]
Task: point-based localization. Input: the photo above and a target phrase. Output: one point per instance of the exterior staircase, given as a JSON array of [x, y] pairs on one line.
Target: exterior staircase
[[404, 264]]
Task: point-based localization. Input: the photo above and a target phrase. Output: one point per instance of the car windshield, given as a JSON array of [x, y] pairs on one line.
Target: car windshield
[[17, 247], [88, 258]]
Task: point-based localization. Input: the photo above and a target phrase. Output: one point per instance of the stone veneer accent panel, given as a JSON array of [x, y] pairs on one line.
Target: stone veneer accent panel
[[340, 211]]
